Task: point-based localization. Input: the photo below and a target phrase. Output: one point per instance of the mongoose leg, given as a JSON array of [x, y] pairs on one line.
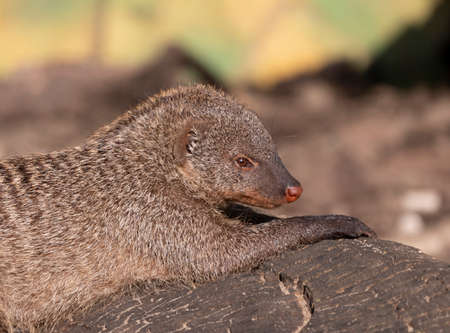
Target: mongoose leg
[[238, 245], [314, 228]]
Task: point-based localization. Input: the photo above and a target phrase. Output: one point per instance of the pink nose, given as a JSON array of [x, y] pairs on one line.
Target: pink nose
[[293, 193]]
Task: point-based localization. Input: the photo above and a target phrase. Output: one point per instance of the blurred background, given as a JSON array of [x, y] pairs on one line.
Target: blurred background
[[355, 92]]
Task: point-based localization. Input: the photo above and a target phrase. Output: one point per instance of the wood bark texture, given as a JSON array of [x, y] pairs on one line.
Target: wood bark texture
[[361, 285]]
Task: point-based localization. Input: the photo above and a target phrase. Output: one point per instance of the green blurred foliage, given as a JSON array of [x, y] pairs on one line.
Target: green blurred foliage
[[255, 40]]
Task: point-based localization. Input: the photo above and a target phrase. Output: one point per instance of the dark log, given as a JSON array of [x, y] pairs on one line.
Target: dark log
[[361, 285]]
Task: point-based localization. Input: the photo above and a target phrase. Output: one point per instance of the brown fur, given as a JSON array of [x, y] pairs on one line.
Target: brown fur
[[141, 200]]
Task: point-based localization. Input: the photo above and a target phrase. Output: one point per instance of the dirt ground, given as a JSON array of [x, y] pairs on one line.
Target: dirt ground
[[374, 152]]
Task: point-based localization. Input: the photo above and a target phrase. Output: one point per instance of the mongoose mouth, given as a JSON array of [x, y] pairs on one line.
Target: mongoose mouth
[[254, 198]]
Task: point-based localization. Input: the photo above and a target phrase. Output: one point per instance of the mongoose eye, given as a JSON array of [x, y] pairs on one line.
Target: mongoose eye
[[243, 163]]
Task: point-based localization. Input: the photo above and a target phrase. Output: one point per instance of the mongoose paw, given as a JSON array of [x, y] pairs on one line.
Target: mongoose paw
[[350, 227], [316, 228]]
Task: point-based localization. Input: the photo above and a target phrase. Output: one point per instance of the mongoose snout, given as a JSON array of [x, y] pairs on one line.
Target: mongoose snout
[[293, 193], [145, 198]]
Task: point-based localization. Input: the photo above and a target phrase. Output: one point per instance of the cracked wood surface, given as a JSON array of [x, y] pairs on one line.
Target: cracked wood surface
[[361, 285]]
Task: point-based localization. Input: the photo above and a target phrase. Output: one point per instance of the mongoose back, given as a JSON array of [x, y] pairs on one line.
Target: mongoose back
[[143, 199]]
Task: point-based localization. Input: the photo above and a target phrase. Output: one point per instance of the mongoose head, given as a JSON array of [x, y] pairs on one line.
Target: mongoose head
[[224, 151]]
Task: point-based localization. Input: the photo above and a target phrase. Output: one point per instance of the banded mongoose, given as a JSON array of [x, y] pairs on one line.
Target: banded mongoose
[[142, 199]]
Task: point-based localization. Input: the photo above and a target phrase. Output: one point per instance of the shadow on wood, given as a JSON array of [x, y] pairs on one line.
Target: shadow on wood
[[361, 285]]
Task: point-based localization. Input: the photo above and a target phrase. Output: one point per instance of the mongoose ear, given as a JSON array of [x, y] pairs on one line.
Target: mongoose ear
[[191, 141], [187, 141]]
